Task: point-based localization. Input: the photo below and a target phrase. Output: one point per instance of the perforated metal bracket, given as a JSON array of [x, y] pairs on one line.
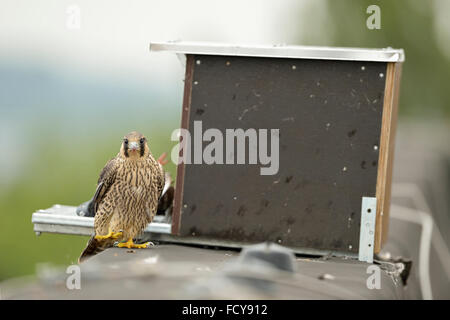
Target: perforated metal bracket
[[367, 232]]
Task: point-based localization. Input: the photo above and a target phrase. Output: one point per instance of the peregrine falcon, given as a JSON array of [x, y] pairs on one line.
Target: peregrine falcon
[[126, 198]]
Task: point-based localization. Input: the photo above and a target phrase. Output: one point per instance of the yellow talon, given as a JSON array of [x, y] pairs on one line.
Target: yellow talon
[[130, 244], [110, 235]]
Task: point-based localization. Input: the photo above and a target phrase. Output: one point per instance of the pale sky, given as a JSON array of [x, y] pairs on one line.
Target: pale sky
[[112, 43], [114, 35]]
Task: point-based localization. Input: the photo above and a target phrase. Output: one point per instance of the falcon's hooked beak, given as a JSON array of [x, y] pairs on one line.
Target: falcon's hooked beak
[[133, 146]]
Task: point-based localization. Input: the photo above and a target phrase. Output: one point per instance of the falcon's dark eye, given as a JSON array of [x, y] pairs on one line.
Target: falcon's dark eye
[[125, 141], [142, 140]]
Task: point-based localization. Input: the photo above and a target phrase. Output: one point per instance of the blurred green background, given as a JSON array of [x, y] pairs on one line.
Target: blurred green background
[[67, 97]]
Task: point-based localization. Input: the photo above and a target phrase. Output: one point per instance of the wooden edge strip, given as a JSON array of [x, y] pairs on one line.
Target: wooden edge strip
[[388, 184], [386, 153], [178, 199]]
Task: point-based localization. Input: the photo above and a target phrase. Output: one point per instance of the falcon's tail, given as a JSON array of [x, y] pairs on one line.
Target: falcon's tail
[[95, 246]]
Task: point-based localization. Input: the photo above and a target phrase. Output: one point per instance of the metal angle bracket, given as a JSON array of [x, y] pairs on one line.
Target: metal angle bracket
[[367, 232]]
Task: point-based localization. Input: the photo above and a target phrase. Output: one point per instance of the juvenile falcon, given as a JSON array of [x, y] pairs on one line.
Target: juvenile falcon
[[126, 198]]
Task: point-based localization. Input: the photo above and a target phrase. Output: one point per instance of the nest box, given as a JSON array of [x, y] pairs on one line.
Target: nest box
[[334, 113]]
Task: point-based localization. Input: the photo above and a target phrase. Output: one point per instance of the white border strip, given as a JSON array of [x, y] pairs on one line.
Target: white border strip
[[281, 51]]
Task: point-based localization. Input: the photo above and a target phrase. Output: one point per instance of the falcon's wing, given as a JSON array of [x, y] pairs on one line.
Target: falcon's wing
[[105, 181], [167, 194]]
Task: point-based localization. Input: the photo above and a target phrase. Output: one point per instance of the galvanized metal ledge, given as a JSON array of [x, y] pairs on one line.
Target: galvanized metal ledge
[[63, 219]]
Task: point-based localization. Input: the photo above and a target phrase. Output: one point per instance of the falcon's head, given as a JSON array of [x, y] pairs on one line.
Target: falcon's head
[[134, 146]]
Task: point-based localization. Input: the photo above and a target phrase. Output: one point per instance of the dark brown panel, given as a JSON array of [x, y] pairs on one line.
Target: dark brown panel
[[329, 114]]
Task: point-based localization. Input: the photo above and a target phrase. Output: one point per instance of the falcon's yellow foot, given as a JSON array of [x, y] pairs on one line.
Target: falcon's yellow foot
[[110, 235], [130, 244]]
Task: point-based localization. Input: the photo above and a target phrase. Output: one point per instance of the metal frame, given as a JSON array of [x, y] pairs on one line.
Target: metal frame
[[281, 51]]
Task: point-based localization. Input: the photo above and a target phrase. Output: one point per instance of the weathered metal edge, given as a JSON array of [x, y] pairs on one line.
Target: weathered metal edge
[[281, 51]]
